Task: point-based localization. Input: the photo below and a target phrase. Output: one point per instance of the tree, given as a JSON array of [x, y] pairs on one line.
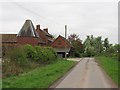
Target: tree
[[111, 48], [119, 52], [106, 44], [76, 44], [73, 37], [53, 36], [89, 46], [93, 45], [117, 47], [98, 44]]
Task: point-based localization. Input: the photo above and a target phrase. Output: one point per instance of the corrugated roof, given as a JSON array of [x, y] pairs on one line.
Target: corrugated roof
[[28, 29]]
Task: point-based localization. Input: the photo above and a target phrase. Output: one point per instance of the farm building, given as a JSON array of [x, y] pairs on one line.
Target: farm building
[[35, 37], [59, 46], [27, 35]]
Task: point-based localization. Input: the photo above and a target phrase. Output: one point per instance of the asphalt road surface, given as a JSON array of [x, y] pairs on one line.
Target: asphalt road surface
[[86, 74]]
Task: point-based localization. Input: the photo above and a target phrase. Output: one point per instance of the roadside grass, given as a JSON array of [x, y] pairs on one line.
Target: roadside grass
[[110, 65], [41, 77]]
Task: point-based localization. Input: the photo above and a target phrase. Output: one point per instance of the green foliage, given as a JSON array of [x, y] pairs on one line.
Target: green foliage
[[89, 49], [40, 52], [45, 55], [30, 52], [89, 52], [27, 57], [106, 44], [18, 56], [15, 62], [41, 77], [76, 44], [97, 46], [76, 53]]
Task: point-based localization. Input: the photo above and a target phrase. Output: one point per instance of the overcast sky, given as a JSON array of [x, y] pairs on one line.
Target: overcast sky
[[82, 18]]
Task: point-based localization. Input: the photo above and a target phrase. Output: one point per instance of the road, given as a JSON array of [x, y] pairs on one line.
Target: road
[[86, 74]]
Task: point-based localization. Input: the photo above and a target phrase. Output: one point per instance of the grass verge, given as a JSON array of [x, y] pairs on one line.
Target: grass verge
[[41, 77], [110, 65]]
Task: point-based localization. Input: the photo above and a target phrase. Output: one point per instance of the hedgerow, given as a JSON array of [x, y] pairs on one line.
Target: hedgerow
[[30, 51], [26, 57], [45, 55]]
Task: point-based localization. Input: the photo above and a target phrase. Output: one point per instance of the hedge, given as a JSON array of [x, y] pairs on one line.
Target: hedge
[[45, 55], [23, 57]]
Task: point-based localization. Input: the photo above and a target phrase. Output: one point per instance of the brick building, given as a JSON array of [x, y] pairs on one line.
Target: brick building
[[8, 41], [27, 35], [44, 35], [59, 46], [35, 37]]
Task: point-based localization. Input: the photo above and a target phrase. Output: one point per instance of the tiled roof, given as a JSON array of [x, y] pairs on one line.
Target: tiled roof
[[28, 29], [8, 37], [47, 33], [67, 42]]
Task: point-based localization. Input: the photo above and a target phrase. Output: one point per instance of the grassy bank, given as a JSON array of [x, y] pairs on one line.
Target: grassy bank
[[41, 77], [110, 65]]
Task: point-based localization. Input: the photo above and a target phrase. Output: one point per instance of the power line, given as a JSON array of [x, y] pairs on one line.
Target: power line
[[37, 14]]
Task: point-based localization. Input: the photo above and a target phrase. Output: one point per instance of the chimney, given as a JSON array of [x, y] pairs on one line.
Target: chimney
[[46, 30], [38, 27]]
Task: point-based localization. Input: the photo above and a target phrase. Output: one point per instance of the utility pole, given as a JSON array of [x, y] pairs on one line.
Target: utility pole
[[65, 40]]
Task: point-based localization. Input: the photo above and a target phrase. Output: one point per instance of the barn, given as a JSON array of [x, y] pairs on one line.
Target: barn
[[59, 45]]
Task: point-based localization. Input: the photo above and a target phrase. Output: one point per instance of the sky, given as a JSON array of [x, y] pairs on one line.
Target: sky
[[97, 18]]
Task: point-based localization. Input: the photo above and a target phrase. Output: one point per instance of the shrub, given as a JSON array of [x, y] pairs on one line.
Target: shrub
[[50, 55], [30, 52], [18, 59], [40, 53], [89, 52], [18, 56], [45, 55], [15, 62], [77, 54]]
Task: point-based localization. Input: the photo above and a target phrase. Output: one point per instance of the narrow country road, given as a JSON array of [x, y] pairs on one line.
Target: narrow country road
[[86, 74]]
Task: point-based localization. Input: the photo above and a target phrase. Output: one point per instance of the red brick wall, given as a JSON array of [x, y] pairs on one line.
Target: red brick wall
[[27, 40], [60, 43], [42, 35]]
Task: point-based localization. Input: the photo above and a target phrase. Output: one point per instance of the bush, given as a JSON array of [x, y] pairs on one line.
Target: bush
[[18, 56], [15, 62], [30, 52], [119, 56], [77, 54], [45, 55], [50, 54], [18, 59], [40, 53], [89, 52]]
